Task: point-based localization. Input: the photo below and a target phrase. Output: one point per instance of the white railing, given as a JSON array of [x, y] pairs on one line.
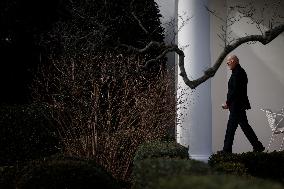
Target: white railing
[[276, 123]]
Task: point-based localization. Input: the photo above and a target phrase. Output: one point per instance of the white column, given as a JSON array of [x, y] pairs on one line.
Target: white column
[[195, 128]]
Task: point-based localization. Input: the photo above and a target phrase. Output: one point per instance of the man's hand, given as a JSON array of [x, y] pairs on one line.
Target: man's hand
[[225, 106]]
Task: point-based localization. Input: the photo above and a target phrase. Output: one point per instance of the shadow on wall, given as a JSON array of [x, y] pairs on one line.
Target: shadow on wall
[[169, 22], [267, 13], [264, 17]]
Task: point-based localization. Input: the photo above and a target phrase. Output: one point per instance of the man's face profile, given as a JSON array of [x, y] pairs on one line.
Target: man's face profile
[[231, 62]]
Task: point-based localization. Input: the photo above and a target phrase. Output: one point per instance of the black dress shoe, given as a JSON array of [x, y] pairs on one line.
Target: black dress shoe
[[223, 152], [259, 149]]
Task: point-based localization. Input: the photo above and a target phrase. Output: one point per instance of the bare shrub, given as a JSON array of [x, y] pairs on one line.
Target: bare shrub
[[106, 106]]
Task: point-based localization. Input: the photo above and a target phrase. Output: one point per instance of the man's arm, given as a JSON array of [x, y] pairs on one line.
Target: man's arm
[[232, 89]]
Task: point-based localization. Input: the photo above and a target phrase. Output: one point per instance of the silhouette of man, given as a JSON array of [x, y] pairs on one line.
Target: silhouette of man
[[237, 103]]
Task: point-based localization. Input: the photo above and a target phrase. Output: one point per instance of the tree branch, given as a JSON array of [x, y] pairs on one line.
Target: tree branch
[[137, 19], [146, 48], [210, 72], [140, 23]]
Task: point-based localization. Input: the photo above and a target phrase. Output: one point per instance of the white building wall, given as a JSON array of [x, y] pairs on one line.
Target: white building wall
[[264, 66]]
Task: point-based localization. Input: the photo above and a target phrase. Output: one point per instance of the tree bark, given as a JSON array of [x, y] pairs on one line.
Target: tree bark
[[265, 39]]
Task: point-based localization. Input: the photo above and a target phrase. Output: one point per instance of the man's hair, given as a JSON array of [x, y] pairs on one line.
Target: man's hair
[[234, 57]]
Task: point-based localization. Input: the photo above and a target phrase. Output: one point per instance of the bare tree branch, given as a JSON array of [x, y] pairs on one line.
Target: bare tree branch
[[146, 48], [215, 14], [136, 18], [230, 45], [210, 72], [140, 23], [264, 39]]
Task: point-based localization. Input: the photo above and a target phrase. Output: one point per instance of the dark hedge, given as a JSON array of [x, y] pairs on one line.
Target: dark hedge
[[147, 172], [157, 149], [65, 174], [26, 132], [57, 172], [263, 165], [214, 182]]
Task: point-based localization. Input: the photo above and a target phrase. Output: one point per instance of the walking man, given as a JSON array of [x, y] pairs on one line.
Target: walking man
[[237, 103]]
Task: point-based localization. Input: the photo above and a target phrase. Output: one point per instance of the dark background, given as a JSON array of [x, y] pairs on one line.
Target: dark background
[[21, 23], [25, 23]]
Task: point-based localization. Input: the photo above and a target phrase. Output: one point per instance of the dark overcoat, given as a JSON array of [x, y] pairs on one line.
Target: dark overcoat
[[237, 98]]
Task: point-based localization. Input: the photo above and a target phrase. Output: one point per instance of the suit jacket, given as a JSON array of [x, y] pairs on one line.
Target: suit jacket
[[237, 98]]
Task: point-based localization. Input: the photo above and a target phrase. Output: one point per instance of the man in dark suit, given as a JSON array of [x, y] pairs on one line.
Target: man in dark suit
[[237, 103]]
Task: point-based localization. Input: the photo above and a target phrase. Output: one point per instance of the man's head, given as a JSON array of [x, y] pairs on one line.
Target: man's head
[[232, 61]]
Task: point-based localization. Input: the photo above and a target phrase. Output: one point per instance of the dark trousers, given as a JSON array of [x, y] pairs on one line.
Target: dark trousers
[[239, 117]]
